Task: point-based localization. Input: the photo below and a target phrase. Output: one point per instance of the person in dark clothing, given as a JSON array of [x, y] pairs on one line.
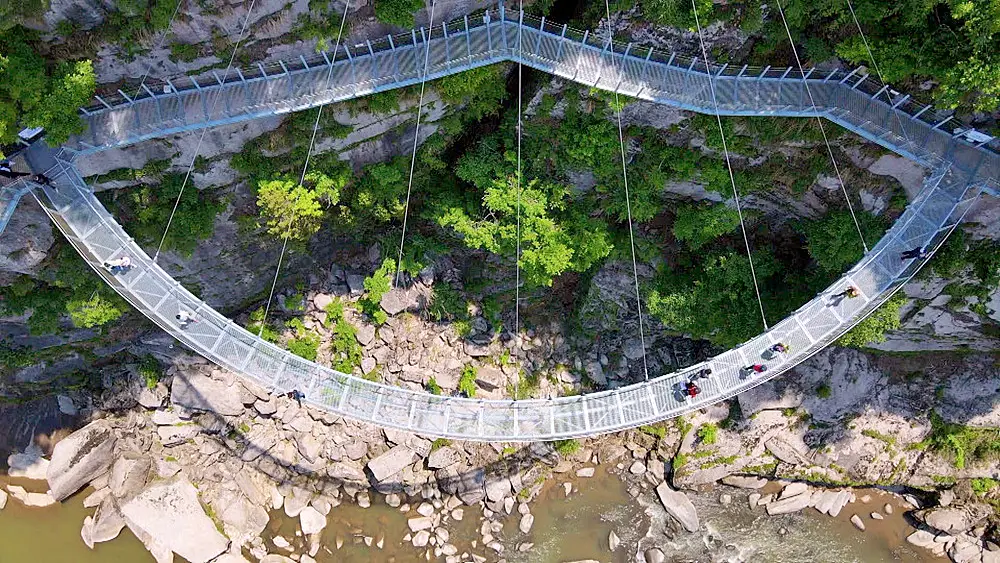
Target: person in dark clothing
[[913, 254], [7, 171], [779, 348], [703, 374], [42, 179], [297, 395]]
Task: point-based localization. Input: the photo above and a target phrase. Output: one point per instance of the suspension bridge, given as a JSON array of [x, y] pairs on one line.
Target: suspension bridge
[[961, 167]]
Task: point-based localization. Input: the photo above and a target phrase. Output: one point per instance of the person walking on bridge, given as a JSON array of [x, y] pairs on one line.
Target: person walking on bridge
[[752, 370], [691, 390], [119, 265], [917, 253], [185, 318], [850, 293]]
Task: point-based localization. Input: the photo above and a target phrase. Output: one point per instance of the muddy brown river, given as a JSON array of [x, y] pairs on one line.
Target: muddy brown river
[[565, 529]]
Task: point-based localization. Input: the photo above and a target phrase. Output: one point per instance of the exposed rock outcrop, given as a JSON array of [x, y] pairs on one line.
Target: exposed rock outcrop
[[80, 458], [169, 515]]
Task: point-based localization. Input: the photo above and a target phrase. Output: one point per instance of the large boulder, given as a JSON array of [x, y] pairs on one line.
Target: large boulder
[[80, 458], [104, 525], [678, 505], [169, 514], [391, 462], [955, 519], [196, 391]]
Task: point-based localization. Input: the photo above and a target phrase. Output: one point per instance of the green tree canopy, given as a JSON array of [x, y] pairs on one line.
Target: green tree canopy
[[699, 224], [397, 12], [873, 328], [552, 242], [289, 209], [33, 94], [833, 240], [714, 299]]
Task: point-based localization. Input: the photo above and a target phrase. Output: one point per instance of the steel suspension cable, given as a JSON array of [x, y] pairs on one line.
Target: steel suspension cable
[[729, 164], [416, 140], [517, 254], [305, 168], [628, 199], [204, 131], [159, 43], [878, 71], [822, 129]]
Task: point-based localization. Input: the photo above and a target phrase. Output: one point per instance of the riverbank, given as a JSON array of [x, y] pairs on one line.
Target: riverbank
[[567, 527], [253, 476]]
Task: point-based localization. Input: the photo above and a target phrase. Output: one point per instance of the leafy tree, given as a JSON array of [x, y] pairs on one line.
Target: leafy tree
[[954, 42], [873, 328], [94, 311], [482, 90], [150, 206], [33, 95], [714, 299], [833, 239], [305, 342], [345, 347], [677, 13], [699, 224], [67, 286], [397, 12], [548, 246], [467, 381], [377, 285], [289, 209], [380, 192]]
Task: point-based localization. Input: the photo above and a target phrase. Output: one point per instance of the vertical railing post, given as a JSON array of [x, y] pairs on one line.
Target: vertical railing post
[[135, 114], [395, 59], [645, 70], [288, 77], [579, 58], [736, 84], [246, 89], [371, 53], [621, 69], [447, 47], [468, 39], [489, 32], [503, 31], [760, 80], [156, 100], [354, 70], [538, 43], [562, 41], [221, 87], [180, 102]]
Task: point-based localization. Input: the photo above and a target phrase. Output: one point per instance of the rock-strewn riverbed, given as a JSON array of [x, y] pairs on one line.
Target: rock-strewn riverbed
[[202, 466]]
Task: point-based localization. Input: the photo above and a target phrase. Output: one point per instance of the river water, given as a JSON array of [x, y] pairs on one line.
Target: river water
[[566, 528]]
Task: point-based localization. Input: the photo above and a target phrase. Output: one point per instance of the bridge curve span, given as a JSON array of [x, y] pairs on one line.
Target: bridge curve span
[[959, 170]]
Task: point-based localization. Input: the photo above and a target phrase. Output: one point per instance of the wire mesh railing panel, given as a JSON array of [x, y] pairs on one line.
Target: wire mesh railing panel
[[818, 318], [532, 420], [569, 418], [791, 333], [603, 411]]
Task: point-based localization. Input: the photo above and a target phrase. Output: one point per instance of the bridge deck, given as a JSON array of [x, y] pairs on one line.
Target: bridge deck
[[961, 169]]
